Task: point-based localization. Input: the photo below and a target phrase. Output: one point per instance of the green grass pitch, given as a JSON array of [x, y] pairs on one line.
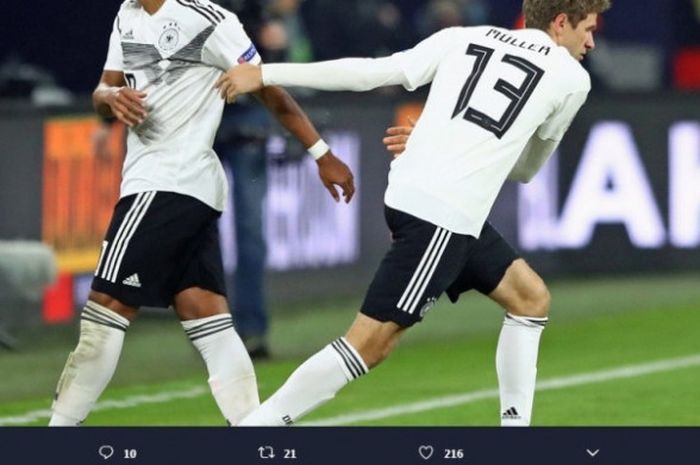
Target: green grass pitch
[[607, 333]]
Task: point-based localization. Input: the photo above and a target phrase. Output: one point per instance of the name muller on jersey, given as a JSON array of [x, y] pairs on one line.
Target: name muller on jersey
[[510, 40]]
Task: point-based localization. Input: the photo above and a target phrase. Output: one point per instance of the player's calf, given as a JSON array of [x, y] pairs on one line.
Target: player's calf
[[90, 366], [231, 375], [517, 352], [315, 382], [208, 323], [516, 366], [525, 297]]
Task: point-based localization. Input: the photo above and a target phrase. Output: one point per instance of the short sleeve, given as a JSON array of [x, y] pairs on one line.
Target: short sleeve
[[420, 63], [115, 58], [229, 44], [556, 125]]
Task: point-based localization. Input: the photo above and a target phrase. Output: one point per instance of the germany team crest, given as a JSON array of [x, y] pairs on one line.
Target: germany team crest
[[169, 38]]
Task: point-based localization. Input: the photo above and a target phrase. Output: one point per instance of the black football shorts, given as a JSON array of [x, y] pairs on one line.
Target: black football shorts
[[158, 244], [426, 260]]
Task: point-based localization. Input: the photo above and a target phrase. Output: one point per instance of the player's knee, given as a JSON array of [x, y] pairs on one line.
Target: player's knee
[[543, 300], [538, 299], [534, 302], [196, 303], [112, 304]]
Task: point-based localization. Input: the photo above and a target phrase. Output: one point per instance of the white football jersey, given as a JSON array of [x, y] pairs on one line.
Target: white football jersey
[[492, 90], [175, 56]]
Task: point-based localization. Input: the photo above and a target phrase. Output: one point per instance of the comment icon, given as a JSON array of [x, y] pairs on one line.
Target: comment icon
[[106, 452]]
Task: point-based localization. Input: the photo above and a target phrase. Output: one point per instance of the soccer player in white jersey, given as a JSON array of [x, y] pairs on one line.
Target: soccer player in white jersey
[[162, 245], [499, 103]]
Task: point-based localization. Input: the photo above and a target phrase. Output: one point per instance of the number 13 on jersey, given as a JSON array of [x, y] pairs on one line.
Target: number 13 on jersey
[[518, 96]]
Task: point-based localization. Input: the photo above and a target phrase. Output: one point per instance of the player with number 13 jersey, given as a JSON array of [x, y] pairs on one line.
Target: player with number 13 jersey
[[499, 103]]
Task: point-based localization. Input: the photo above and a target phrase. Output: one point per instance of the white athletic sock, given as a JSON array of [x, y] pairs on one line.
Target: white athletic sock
[[90, 366], [316, 381], [231, 374], [516, 365]]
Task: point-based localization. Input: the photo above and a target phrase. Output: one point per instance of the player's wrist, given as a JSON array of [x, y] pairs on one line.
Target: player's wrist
[[264, 75], [110, 95], [319, 149], [103, 102]]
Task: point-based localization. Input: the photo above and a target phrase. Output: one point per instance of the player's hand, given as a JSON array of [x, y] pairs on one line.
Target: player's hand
[[128, 105], [241, 79], [334, 172], [397, 136]]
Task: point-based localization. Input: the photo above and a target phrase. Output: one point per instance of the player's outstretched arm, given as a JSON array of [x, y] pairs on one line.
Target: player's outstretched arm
[[331, 170], [411, 68], [113, 98], [353, 74]]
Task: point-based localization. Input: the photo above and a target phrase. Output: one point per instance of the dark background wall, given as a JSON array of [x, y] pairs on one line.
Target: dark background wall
[[70, 38], [609, 250]]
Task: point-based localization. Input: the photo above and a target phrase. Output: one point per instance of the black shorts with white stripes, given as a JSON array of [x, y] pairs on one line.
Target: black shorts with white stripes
[[158, 244], [426, 260]]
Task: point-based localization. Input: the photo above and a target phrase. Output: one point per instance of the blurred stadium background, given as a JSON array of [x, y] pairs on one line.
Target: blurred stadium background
[[612, 223]]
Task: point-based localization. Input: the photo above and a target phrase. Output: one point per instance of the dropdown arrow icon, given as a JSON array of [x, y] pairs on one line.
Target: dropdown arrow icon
[[592, 453]]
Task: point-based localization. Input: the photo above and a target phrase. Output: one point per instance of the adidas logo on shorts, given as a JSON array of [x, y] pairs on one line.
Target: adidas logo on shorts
[[132, 280]]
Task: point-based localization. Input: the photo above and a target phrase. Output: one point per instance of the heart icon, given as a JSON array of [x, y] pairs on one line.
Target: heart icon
[[426, 452]]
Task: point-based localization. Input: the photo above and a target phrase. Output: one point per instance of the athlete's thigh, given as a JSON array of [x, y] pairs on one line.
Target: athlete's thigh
[[486, 266], [422, 261], [147, 247], [201, 288]]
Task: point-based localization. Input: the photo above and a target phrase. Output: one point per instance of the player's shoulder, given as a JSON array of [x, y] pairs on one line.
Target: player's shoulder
[[459, 32], [456, 36], [581, 80], [128, 12], [576, 76], [202, 11], [128, 6]]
